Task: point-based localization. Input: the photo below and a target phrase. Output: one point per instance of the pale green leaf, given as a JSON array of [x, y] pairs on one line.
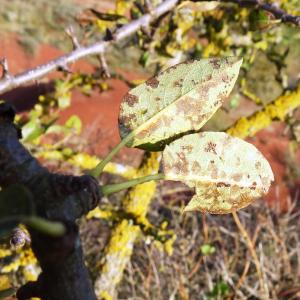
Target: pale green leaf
[[32, 130], [201, 6], [74, 123], [226, 172], [177, 101]]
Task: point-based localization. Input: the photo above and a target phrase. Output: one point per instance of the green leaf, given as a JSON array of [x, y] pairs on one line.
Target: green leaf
[[32, 130], [220, 289], [177, 101], [64, 100], [207, 249], [259, 20], [74, 122], [226, 172]]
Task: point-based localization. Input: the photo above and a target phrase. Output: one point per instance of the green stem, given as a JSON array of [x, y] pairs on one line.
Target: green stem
[[45, 226], [99, 168], [113, 188]]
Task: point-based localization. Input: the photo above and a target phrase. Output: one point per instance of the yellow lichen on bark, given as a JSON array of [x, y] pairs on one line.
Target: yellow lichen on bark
[[276, 110], [119, 249]]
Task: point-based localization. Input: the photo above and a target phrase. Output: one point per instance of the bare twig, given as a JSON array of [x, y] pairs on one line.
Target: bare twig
[[269, 7], [125, 31], [253, 253], [5, 72], [103, 66], [70, 32]]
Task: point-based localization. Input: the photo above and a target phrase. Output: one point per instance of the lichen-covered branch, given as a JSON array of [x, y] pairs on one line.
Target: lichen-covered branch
[[276, 110], [119, 249], [55, 197], [269, 7], [11, 82]]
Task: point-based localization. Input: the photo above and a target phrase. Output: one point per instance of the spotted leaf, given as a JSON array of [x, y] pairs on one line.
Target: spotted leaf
[[177, 101], [226, 172]]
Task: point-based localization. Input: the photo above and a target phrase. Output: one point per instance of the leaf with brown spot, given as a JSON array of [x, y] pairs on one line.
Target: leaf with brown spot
[[225, 185], [186, 95]]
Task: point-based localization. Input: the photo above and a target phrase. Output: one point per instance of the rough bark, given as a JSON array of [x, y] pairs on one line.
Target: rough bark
[[56, 197]]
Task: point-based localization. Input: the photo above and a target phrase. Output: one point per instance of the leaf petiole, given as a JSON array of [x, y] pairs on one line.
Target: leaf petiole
[[99, 168], [113, 188]]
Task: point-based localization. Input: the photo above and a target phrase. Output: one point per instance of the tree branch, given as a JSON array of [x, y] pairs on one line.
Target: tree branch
[[11, 82], [269, 7]]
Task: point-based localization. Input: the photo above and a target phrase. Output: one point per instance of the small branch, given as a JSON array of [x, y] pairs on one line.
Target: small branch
[[251, 248], [71, 33], [269, 7], [5, 71], [125, 31], [103, 66]]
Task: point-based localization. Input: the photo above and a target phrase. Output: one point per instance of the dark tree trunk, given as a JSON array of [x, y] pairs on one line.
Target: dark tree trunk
[[56, 197]]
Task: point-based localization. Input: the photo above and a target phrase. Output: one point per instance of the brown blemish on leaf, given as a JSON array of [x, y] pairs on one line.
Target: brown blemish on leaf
[[180, 167], [253, 187], [211, 147], [237, 177], [130, 99], [169, 70], [190, 61], [187, 148], [196, 167], [215, 63], [157, 98], [149, 130], [152, 82], [223, 184], [183, 162], [126, 120], [177, 84]]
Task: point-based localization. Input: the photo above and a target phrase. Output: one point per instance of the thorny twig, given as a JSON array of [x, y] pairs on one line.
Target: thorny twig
[[269, 7], [125, 31], [9, 82]]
